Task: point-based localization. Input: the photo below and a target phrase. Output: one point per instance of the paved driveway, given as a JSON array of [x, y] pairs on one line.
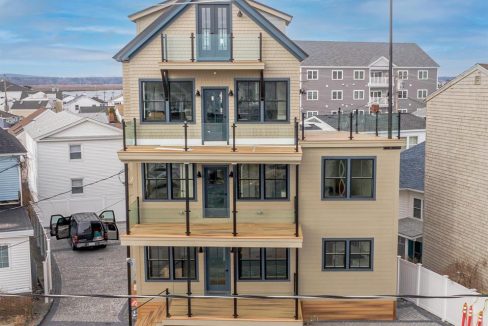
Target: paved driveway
[[100, 271]]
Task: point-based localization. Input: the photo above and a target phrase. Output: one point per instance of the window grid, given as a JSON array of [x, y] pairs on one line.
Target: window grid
[[403, 74], [158, 268], [312, 74], [359, 74], [170, 184], [417, 208], [273, 264], [272, 185], [337, 74], [250, 261], [172, 261], [403, 94], [353, 254], [358, 95], [348, 178], [337, 95], [422, 93], [423, 74], [180, 263], [4, 260], [312, 95], [249, 179]]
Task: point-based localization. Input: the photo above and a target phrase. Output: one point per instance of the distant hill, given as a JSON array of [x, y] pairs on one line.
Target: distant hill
[[446, 79], [53, 81]]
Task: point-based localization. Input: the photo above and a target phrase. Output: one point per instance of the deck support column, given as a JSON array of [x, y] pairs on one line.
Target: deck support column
[[234, 202], [235, 293], [188, 280], [187, 198], [297, 229], [296, 284], [127, 221]]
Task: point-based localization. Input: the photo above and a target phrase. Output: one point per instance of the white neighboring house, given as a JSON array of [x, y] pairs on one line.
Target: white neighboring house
[[411, 212], [67, 153], [82, 101], [13, 92], [119, 100]]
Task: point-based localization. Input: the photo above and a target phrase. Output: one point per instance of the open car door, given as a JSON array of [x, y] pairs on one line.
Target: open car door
[[54, 222], [63, 228], [108, 220]]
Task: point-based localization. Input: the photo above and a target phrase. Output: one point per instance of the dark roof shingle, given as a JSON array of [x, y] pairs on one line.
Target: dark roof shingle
[[412, 168], [29, 105], [9, 144], [14, 219]]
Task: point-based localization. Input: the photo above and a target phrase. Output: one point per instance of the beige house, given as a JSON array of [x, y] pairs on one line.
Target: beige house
[[456, 186], [226, 197]]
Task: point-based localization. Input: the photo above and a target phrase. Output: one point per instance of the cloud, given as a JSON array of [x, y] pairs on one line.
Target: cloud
[[100, 30], [9, 37]]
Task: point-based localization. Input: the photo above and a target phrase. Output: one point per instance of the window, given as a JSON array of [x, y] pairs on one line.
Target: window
[[76, 186], [401, 247], [159, 107], [250, 264], [249, 106], [403, 74], [348, 178], [312, 113], [347, 254], [77, 107], [262, 182], [4, 261], [337, 74], [337, 95], [312, 95], [422, 93], [164, 181], [358, 95], [417, 208], [403, 94], [358, 74], [75, 152], [423, 74], [402, 110], [167, 263], [413, 140], [312, 74], [375, 94], [273, 261]]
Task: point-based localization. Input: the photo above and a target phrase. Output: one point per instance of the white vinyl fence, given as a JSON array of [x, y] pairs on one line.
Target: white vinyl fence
[[414, 279], [43, 242]]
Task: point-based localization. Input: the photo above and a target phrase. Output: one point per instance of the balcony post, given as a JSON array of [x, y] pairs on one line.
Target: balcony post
[[163, 37], [234, 137], [188, 280], [296, 135], [234, 202], [168, 315], [192, 39], [260, 47], [399, 124], [231, 47], [235, 257], [303, 125], [376, 127], [135, 132], [124, 141], [296, 288], [297, 193], [127, 225], [357, 118], [339, 119], [138, 211], [187, 198], [350, 126], [185, 126]]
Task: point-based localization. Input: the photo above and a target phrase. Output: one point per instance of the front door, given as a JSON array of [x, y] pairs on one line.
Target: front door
[[215, 114], [217, 270], [216, 191]]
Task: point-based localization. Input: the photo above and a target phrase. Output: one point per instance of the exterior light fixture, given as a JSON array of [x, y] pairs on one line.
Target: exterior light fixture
[[239, 13], [197, 93], [231, 93]]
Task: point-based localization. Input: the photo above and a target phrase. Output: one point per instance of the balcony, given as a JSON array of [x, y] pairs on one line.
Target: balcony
[[381, 101], [202, 51], [378, 82]]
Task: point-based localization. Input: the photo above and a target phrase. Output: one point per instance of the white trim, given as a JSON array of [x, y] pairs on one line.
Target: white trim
[[313, 71], [337, 71], [366, 67], [402, 98], [361, 91], [426, 93], [359, 70], [339, 91], [312, 114], [402, 71], [422, 71], [313, 98]]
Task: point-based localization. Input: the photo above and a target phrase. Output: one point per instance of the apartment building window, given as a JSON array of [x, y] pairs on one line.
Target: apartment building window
[[4, 260], [76, 186], [337, 74], [359, 74], [262, 182], [312, 95], [177, 106], [337, 95], [403, 95], [423, 74], [266, 264], [347, 254], [403, 74], [402, 110], [422, 94], [276, 101], [312, 74], [312, 113], [75, 152], [167, 263], [164, 181], [417, 208], [358, 95], [348, 178]]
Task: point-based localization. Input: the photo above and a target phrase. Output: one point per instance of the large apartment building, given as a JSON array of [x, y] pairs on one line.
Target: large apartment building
[[224, 195], [354, 75]]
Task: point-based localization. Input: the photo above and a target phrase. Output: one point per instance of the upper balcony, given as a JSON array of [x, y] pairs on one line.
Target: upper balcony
[[212, 51], [378, 81]]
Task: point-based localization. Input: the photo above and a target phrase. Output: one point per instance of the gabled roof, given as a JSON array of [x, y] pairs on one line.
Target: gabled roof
[[169, 15], [412, 168], [9, 144], [362, 54], [11, 87], [29, 105], [19, 127]]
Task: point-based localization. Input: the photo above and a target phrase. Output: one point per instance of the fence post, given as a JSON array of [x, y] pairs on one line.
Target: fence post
[[45, 271], [419, 274], [398, 274], [444, 304]]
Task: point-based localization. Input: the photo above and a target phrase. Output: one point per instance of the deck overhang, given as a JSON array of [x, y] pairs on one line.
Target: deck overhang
[[213, 154], [214, 235], [213, 66]]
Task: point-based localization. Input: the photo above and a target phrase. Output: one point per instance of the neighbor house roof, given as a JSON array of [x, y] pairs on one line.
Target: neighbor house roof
[[19, 126], [412, 168], [92, 109], [9, 144], [29, 105], [367, 122], [410, 227], [56, 121], [11, 87], [169, 15], [4, 114], [14, 219], [363, 54]]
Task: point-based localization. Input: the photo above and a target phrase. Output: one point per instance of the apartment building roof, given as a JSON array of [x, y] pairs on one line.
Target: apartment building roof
[[412, 168], [363, 54], [9, 144]]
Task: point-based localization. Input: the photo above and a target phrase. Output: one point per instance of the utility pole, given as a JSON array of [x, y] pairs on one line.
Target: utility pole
[[5, 90], [390, 78]]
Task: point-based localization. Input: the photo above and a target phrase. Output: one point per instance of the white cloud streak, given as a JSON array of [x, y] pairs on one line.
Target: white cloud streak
[[100, 30]]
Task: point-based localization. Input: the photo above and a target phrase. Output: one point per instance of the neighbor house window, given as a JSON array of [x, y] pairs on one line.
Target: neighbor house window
[[312, 95], [337, 95], [74, 152], [403, 94], [265, 264], [177, 106], [403, 74], [262, 182], [348, 178], [422, 93], [168, 263], [274, 108], [413, 140], [358, 95], [76, 186], [358, 74], [312, 74], [423, 74], [4, 261], [347, 254], [337, 75], [164, 181], [312, 113], [417, 208]]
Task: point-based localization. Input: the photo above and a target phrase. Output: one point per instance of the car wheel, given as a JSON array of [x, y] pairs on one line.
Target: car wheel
[[103, 246]]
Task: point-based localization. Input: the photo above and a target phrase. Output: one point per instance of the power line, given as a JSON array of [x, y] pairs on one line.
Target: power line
[[17, 164]]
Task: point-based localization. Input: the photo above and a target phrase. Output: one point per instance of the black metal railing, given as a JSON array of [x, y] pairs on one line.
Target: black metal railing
[[358, 122]]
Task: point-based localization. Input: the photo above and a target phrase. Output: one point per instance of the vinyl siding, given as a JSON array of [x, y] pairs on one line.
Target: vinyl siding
[[406, 202], [10, 178], [17, 277]]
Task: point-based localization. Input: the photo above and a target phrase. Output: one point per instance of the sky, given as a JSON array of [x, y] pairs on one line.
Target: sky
[[77, 38]]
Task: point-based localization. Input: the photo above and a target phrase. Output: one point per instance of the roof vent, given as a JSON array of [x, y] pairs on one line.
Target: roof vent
[[477, 80]]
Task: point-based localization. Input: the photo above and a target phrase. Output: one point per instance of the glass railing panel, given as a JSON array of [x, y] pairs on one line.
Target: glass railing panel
[[178, 48], [266, 215], [215, 131], [213, 47], [246, 48]]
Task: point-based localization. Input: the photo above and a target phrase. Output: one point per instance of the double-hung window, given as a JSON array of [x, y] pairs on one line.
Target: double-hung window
[[76, 186], [164, 181], [347, 254], [312, 95], [417, 208], [168, 263], [177, 106], [422, 94], [265, 264], [75, 152], [358, 94], [423, 74], [337, 95], [4, 260], [358, 74], [250, 108], [262, 182], [312, 74], [337, 74], [348, 178]]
